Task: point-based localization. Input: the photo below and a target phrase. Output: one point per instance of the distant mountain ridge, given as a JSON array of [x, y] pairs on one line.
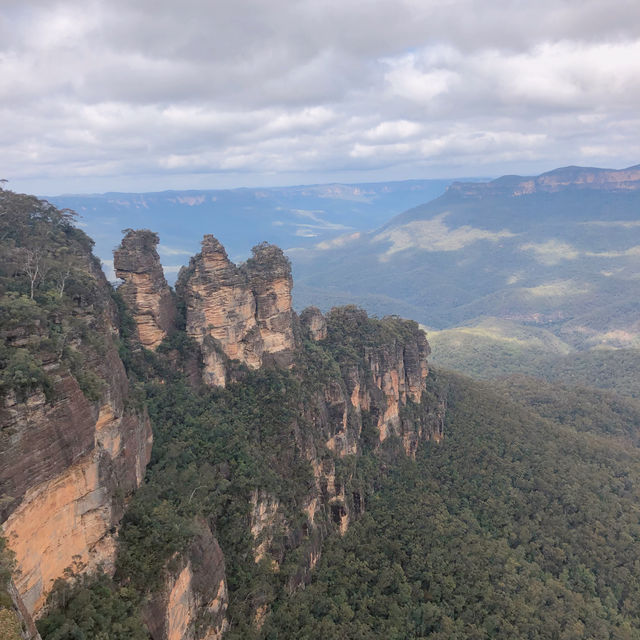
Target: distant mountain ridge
[[558, 179], [298, 216], [560, 250]]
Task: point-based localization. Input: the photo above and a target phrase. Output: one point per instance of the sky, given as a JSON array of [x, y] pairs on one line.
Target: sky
[[147, 95]]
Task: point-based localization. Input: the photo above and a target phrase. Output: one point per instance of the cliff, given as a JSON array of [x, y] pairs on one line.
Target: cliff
[[145, 289], [336, 388], [247, 480], [73, 446], [622, 180], [192, 603], [238, 313], [379, 391]]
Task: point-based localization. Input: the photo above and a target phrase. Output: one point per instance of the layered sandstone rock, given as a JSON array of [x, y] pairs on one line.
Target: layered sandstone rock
[[68, 459], [622, 180], [314, 323], [379, 391], [264, 518], [145, 289], [384, 377], [66, 513], [193, 603], [234, 313], [269, 275]]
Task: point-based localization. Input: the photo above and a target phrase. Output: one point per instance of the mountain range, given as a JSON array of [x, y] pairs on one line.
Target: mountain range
[[289, 216], [559, 251]]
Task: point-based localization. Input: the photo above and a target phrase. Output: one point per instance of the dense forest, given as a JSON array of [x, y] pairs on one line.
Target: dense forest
[[523, 523]]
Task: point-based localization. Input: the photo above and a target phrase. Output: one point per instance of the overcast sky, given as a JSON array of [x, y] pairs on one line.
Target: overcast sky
[[143, 95]]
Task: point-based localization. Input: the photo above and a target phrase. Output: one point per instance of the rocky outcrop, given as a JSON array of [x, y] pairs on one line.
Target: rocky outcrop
[[383, 379], [269, 275], [193, 603], [145, 289], [314, 323], [378, 392], [622, 180], [264, 518], [70, 457], [65, 507], [234, 313]]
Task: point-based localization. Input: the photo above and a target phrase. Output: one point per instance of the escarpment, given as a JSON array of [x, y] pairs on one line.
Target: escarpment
[[248, 479], [354, 384], [72, 444], [238, 313], [145, 289]]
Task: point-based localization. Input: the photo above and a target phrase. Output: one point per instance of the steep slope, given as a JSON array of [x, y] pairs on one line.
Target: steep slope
[[74, 446], [252, 471], [516, 526]]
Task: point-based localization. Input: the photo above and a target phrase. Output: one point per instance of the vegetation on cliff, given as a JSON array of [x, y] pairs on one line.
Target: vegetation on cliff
[[516, 526], [50, 298]]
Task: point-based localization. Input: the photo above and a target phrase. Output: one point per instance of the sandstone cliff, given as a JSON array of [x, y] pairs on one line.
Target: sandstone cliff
[[192, 604], [76, 440], [72, 445], [234, 313], [145, 289], [622, 180], [377, 391], [269, 276]]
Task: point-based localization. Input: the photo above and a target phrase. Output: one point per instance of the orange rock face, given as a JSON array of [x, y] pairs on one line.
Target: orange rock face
[[67, 460], [65, 522], [238, 313], [145, 289], [198, 588]]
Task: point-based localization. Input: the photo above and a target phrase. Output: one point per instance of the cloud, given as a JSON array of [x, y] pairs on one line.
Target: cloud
[[624, 253], [624, 224], [147, 94], [435, 235]]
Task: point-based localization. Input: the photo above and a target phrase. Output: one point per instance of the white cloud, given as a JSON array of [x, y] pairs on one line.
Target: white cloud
[[174, 251], [128, 94]]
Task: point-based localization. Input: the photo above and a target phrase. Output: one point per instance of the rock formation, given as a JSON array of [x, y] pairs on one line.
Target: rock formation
[[234, 313], [70, 454], [380, 391], [269, 275], [75, 448], [145, 289], [193, 603], [314, 323]]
